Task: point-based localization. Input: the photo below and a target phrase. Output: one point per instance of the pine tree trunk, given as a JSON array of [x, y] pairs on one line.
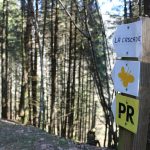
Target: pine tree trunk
[[4, 105], [68, 94], [24, 101], [53, 65], [73, 82], [78, 99], [34, 84], [16, 88], [5, 63]]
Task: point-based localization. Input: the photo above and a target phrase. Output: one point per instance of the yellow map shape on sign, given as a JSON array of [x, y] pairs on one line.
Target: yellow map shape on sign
[[127, 111], [125, 77]]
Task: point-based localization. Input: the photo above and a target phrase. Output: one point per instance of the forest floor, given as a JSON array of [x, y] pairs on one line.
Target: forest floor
[[18, 137]]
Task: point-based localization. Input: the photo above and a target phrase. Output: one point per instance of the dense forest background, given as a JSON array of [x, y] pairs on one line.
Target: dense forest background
[[55, 65]]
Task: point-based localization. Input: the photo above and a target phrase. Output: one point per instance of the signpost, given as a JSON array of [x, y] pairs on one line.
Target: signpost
[[127, 40], [126, 76], [127, 112], [132, 78]]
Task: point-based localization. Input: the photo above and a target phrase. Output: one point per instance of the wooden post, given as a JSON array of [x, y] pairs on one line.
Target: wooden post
[[147, 7], [138, 141]]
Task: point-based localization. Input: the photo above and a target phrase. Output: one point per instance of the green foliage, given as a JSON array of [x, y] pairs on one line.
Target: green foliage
[[14, 29]]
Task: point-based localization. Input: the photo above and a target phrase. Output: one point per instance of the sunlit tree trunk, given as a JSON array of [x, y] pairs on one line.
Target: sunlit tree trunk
[[24, 101], [78, 95], [34, 75]]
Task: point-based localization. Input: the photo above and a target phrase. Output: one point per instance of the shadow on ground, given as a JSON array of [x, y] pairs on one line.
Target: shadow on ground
[[19, 137]]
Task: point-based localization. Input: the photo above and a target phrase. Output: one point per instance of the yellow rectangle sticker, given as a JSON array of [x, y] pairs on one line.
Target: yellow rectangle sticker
[[127, 111]]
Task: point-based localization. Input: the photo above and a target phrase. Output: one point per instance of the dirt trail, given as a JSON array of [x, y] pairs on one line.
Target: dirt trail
[[19, 137]]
